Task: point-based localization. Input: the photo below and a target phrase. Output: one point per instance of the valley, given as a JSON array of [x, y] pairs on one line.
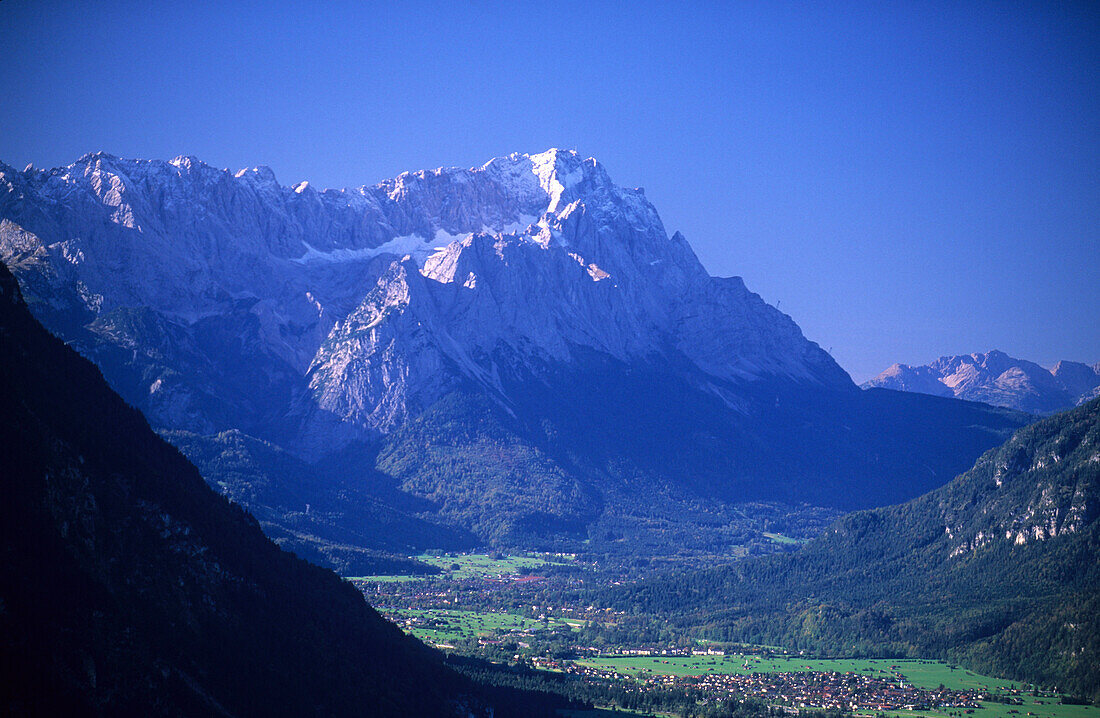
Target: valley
[[549, 443], [533, 614], [339, 380], [559, 451]]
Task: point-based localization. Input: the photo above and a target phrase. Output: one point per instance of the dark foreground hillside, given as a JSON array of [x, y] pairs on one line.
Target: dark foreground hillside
[[999, 569], [127, 587]]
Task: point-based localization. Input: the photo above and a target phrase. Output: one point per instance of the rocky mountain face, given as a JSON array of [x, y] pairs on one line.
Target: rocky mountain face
[[596, 273], [128, 587], [1000, 568], [533, 256], [529, 309], [998, 379]]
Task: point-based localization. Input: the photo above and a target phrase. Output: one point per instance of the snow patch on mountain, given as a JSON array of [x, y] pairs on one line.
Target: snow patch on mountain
[[412, 245]]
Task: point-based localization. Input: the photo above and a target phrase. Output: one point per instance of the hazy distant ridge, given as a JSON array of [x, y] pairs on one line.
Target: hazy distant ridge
[[999, 379]]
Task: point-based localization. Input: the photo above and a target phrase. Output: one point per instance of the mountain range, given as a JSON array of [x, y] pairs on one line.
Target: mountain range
[[538, 259], [998, 379], [514, 354]]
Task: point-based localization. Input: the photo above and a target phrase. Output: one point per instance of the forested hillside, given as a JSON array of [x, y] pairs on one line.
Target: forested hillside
[[999, 569]]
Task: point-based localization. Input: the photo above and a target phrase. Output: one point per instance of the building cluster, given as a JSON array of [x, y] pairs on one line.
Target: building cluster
[[801, 689], [845, 691]]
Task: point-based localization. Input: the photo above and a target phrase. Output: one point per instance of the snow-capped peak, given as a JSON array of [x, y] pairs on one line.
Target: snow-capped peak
[[260, 173], [558, 170], [186, 162]]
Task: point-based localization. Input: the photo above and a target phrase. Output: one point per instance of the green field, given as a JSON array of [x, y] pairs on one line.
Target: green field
[[1034, 707], [608, 713], [445, 627], [929, 674], [470, 565], [477, 565], [784, 540]]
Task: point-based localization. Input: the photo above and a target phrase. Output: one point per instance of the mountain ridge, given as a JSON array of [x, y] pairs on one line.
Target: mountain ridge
[[997, 378], [311, 256]]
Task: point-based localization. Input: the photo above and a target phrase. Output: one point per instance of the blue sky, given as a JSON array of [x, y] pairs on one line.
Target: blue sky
[[906, 180]]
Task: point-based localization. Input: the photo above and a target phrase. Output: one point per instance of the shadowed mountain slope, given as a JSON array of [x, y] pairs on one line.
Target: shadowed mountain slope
[[127, 587]]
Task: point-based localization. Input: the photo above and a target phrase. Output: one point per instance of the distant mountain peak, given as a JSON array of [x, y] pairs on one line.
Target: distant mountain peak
[[996, 378]]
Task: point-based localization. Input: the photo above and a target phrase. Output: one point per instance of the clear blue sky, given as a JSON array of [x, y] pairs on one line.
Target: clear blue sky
[[906, 179]]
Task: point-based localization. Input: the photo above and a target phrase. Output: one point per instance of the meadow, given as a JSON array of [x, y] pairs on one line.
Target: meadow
[[442, 627], [469, 565]]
